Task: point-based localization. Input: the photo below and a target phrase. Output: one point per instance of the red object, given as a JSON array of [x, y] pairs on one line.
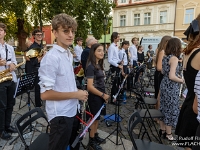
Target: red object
[[77, 69]]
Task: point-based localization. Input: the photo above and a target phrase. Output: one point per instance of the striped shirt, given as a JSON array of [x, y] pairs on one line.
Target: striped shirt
[[197, 92]]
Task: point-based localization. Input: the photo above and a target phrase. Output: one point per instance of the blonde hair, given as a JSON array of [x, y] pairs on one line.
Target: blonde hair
[[63, 20]]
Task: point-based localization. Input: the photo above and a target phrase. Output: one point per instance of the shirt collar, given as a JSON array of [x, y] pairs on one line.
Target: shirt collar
[[114, 44], [3, 45], [123, 50], [59, 48]]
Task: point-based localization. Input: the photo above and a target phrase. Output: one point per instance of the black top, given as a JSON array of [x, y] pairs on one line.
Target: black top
[[151, 52], [84, 57], [97, 75], [140, 57], [189, 76], [33, 64]]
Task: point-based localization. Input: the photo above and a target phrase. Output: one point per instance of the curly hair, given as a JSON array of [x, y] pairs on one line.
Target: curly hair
[[173, 47], [65, 21], [194, 40]]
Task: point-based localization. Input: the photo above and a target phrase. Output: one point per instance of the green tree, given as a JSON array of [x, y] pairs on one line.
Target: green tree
[[20, 15]]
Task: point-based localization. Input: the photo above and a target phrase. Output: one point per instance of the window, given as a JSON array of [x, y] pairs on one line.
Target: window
[[189, 15], [120, 41], [147, 18], [123, 20], [163, 17], [123, 1], [136, 19]]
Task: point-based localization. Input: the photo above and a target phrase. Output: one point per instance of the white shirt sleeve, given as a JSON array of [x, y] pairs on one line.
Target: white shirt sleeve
[[13, 59], [78, 52], [110, 56], [47, 72], [120, 55]]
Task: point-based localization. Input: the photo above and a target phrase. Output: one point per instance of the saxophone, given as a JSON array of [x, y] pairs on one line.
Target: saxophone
[[5, 75]]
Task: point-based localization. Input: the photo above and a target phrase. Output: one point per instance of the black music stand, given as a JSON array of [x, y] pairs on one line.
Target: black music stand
[[24, 84]]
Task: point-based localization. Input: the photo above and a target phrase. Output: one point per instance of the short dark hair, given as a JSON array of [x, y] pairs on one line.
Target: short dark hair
[[149, 46], [125, 42], [78, 39], [173, 47], [3, 26], [114, 36], [36, 31]]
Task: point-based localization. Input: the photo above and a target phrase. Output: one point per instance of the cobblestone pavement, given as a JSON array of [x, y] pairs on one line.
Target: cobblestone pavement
[[125, 111]]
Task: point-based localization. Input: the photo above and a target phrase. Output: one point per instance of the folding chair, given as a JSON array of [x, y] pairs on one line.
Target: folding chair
[[148, 114], [25, 122], [139, 144]]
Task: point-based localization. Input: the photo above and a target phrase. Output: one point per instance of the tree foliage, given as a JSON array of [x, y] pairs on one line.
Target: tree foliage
[[88, 13]]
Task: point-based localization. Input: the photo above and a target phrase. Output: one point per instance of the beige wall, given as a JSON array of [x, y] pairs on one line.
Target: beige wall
[[155, 29], [182, 5]]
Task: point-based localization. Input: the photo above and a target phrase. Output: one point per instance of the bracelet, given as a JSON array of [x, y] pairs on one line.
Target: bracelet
[[102, 95]]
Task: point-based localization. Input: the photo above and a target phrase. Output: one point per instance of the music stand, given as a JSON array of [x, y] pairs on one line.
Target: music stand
[[24, 84]]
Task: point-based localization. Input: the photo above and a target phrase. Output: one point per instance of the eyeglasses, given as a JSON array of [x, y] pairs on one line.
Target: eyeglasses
[[67, 31], [39, 34]]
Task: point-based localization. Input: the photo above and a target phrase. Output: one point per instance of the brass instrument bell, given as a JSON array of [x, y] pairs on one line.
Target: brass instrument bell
[[34, 52]]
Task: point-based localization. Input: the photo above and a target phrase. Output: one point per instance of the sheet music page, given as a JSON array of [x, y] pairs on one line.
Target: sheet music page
[[16, 87]]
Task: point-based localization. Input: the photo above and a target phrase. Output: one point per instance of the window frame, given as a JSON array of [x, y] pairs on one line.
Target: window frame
[[163, 17], [190, 20], [148, 18], [137, 19], [122, 20]]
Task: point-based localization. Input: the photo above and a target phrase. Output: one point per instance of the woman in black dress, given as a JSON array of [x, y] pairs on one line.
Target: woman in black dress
[[96, 88], [187, 121]]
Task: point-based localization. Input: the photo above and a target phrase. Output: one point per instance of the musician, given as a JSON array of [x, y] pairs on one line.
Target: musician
[[58, 85], [96, 88], [133, 51], [123, 56], [32, 64], [7, 88], [84, 56], [78, 50], [115, 62]]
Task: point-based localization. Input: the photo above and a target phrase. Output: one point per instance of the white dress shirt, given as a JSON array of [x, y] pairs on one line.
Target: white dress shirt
[[56, 73], [133, 51], [78, 51], [123, 56], [113, 57], [10, 57]]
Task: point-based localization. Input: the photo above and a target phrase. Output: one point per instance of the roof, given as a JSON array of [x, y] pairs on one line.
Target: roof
[[141, 3]]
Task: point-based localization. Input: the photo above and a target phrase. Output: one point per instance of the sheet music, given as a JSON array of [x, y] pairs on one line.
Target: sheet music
[[16, 88]]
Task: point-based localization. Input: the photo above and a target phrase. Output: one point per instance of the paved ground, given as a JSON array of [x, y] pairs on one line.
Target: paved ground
[[125, 111]]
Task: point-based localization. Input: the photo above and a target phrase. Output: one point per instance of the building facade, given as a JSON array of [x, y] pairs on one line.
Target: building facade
[[143, 18], [186, 11]]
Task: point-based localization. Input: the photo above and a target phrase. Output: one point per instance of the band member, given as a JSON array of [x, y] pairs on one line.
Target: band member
[[84, 56], [115, 62], [78, 51], [58, 85], [32, 64], [7, 88], [133, 51], [96, 88], [124, 57]]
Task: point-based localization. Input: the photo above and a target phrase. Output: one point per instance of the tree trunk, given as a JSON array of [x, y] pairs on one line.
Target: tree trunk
[[21, 35]]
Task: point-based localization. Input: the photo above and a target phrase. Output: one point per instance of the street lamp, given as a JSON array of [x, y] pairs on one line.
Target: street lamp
[[105, 23]]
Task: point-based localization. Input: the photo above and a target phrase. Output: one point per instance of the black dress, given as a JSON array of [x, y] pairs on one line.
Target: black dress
[[187, 121]]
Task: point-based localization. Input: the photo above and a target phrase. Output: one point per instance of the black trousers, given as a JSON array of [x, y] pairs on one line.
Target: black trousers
[[157, 80], [63, 133], [116, 81], [37, 92], [7, 90]]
